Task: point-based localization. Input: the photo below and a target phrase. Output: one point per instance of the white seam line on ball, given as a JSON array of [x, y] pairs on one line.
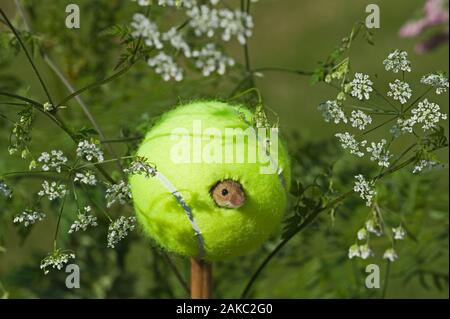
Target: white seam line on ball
[[179, 197]]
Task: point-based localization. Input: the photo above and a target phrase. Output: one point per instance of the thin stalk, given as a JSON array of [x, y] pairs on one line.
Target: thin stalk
[[176, 272], [97, 84], [386, 279], [30, 60], [59, 221]]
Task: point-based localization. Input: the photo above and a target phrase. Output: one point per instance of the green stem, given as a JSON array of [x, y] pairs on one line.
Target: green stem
[[97, 84], [19, 39], [386, 279], [59, 222]]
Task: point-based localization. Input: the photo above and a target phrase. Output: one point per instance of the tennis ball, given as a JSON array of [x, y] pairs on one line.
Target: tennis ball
[[190, 146]]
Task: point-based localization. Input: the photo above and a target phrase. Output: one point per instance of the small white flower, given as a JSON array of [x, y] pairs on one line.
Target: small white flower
[[5, 189], [397, 61], [400, 91], [89, 151], [143, 3], [360, 120], [390, 254], [53, 190], [437, 80], [379, 153], [119, 229], [83, 221], [210, 60], [56, 260], [165, 66], [118, 193], [331, 111], [28, 217], [47, 106], [349, 142], [85, 177], [374, 227], [399, 233], [428, 114], [362, 234], [365, 189], [354, 251], [235, 23], [53, 160], [141, 166], [177, 3], [424, 164], [361, 86], [365, 251]]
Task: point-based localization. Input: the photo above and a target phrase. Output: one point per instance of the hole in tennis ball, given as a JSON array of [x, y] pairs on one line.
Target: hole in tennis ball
[[228, 194]]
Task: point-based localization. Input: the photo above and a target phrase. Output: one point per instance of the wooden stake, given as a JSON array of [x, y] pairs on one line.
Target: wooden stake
[[201, 281]]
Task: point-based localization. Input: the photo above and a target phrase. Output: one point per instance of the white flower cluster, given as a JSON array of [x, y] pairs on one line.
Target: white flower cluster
[[400, 91], [28, 217], [119, 229], [166, 67], [143, 27], [204, 20], [53, 160], [362, 251], [141, 166], [83, 221], [210, 60], [399, 234], [379, 153], [360, 120], [118, 193], [423, 165], [53, 190], [349, 142], [361, 86], [89, 150], [5, 189], [437, 80], [177, 41], [331, 111], [236, 23], [56, 260], [86, 177], [365, 189], [397, 61], [426, 113]]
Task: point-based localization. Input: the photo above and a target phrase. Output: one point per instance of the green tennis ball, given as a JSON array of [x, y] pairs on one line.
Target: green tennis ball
[[227, 232]]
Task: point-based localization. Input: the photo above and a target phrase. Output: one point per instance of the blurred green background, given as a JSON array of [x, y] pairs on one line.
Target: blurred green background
[[289, 33]]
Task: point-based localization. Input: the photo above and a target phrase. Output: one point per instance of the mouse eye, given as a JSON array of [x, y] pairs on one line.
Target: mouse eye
[[224, 192]]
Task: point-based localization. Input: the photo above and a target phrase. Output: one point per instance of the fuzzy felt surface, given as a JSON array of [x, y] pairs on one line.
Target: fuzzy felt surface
[[227, 232]]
